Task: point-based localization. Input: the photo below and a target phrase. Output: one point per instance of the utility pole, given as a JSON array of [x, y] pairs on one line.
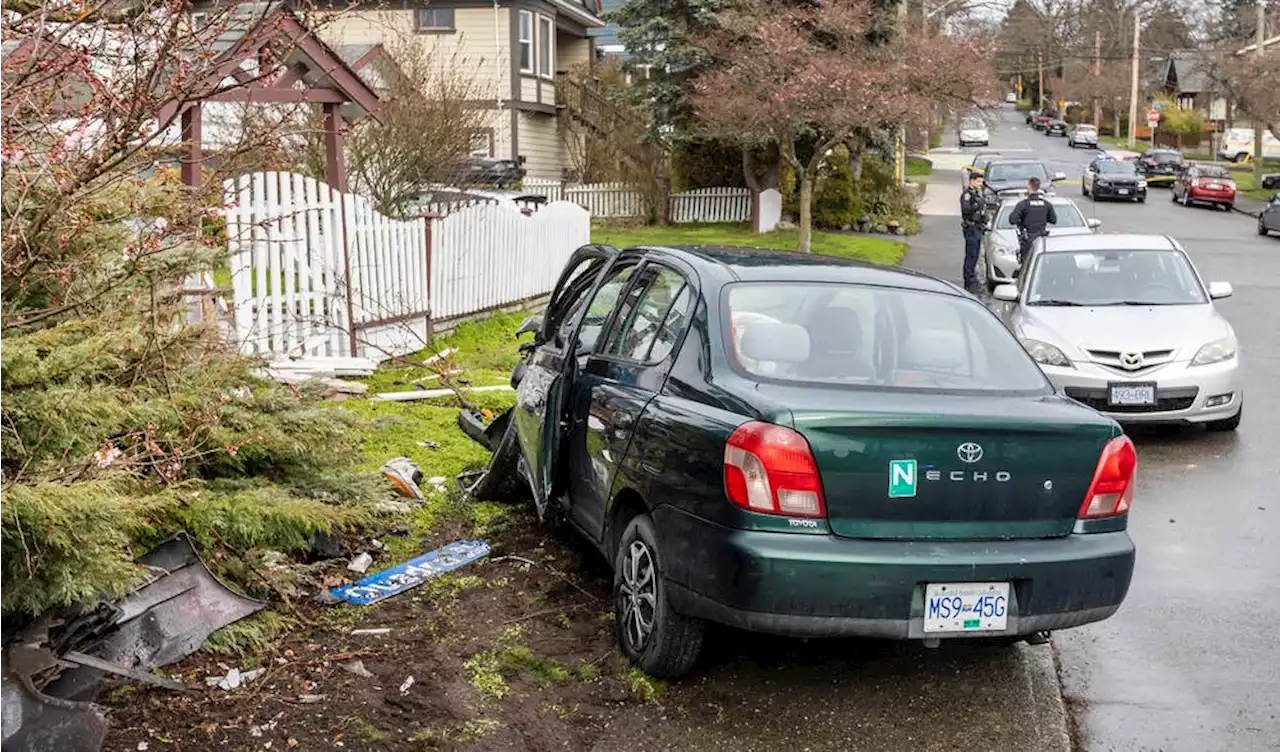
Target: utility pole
[[1097, 71], [1040, 90], [1133, 89], [1258, 125]]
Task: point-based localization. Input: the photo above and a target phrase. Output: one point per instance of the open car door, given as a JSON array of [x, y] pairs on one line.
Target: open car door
[[538, 419]]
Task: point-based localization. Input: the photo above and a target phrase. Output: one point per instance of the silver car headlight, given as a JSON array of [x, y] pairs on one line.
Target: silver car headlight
[[1142, 183], [1044, 353], [1215, 352]]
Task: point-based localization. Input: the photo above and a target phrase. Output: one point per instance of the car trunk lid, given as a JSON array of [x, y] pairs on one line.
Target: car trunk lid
[[947, 467]]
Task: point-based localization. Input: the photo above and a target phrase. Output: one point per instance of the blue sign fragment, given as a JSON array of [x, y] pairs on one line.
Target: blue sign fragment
[[412, 573]]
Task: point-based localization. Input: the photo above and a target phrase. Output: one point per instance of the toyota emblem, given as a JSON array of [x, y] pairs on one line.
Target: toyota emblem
[[969, 452], [1131, 360]]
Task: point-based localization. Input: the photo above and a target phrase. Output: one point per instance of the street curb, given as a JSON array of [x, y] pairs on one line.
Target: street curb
[[1245, 212], [1047, 702]]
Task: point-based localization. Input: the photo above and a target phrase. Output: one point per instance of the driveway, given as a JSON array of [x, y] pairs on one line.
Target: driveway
[[1188, 663]]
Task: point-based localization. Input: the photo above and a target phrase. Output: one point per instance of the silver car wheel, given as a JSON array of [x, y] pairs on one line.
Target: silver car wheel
[[639, 594]]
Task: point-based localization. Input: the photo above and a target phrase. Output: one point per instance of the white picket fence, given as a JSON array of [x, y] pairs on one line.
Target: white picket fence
[[622, 201], [320, 273]]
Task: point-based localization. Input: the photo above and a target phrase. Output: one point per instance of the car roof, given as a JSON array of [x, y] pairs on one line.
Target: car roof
[[1017, 160], [1055, 200], [1108, 242], [746, 264]]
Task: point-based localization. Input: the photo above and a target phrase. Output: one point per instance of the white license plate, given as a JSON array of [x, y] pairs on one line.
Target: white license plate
[[1132, 394], [1214, 187], [966, 607], [1124, 191]]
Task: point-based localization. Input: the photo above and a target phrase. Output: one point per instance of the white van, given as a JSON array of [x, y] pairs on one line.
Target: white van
[[1237, 144]]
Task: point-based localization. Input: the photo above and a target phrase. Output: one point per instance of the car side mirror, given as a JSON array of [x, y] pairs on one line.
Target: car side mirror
[[1093, 223], [1006, 293], [1059, 176], [531, 324], [1220, 290]]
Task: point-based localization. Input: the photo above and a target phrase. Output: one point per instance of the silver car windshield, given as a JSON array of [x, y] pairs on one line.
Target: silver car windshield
[[1016, 171], [1113, 278], [973, 124], [1068, 216]]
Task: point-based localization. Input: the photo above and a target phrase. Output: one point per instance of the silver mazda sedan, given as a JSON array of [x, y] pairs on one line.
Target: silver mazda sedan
[[1000, 245], [1125, 324]]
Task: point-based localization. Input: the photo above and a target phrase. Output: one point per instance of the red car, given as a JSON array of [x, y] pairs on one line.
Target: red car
[[1205, 184]]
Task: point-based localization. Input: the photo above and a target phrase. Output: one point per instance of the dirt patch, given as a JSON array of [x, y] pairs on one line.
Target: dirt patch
[[515, 652]]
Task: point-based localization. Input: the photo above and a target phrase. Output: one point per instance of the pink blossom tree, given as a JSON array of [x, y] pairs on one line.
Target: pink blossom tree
[[798, 74]]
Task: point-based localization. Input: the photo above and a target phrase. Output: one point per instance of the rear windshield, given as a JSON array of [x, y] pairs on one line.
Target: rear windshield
[[874, 337], [1213, 171], [1068, 216], [1086, 129], [973, 124], [1166, 157], [1016, 171]]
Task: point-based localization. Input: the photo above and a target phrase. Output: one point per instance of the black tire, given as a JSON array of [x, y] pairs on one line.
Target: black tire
[[670, 648], [1262, 228], [502, 480], [1226, 424]]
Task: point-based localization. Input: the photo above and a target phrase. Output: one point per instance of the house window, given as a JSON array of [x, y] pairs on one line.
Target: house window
[[434, 19], [546, 46], [526, 42], [481, 144]]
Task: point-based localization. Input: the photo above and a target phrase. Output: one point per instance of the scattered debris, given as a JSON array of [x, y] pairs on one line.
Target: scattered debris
[[310, 699], [49, 683], [421, 394], [412, 573], [356, 666], [231, 681], [405, 474], [440, 356], [325, 546], [274, 560], [429, 444], [390, 506], [373, 631], [360, 563], [404, 686]]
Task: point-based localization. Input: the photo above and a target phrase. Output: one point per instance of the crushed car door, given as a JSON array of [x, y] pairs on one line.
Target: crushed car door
[[538, 415]]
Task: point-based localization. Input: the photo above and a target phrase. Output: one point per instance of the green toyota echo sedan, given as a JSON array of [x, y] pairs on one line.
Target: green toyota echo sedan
[[802, 445]]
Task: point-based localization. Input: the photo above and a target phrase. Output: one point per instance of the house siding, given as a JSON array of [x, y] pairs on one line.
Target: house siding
[[541, 146]]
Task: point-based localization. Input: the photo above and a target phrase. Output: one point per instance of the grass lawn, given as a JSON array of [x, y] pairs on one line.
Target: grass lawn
[[860, 247], [919, 169], [1245, 184]]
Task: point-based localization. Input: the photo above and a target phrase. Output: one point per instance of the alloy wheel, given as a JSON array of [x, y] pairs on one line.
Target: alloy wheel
[[639, 594]]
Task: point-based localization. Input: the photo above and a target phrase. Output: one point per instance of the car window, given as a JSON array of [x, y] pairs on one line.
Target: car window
[[874, 337], [1107, 278], [1068, 216], [1016, 171], [1213, 171], [1112, 167], [643, 314], [672, 326], [1086, 129], [597, 314], [973, 124], [564, 312]]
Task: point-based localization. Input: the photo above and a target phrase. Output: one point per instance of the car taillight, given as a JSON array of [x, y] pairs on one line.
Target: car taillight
[[770, 469], [1111, 492]]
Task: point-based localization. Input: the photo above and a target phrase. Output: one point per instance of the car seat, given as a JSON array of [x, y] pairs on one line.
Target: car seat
[[836, 346]]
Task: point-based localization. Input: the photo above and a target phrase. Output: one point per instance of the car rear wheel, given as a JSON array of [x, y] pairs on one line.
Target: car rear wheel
[[652, 635], [1227, 424], [1262, 227]]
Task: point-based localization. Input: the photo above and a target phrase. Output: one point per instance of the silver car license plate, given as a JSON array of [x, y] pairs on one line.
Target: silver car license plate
[[1131, 395], [1124, 191]]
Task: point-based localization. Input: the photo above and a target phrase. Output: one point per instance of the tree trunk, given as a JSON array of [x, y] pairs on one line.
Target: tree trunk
[[805, 244]]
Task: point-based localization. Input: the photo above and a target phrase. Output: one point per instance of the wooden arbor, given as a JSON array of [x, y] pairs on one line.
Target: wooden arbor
[[292, 66]]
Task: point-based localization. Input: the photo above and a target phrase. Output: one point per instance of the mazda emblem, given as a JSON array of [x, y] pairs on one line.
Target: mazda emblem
[[1132, 360], [969, 452]]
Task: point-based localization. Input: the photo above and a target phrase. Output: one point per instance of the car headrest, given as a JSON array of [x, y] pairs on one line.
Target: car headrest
[[934, 350], [775, 342]]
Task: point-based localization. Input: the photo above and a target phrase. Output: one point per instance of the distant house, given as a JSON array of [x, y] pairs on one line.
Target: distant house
[[513, 48], [606, 37], [1187, 80]]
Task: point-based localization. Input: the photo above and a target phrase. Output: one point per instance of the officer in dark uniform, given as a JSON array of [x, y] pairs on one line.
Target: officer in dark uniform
[[1032, 217], [973, 220]]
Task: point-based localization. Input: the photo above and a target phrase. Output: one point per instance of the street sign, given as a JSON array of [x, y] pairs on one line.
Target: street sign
[[1153, 118]]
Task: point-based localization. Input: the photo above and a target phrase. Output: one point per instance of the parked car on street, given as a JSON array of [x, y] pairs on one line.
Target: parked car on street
[[1205, 184], [1269, 219], [974, 131], [1007, 178], [1011, 98], [1124, 324], [1082, 134], [1041, 121], [982, 159], [1056, 127], [1238, 145], [1161, 166], [1000, 244], [803, 445], [1112, 178]]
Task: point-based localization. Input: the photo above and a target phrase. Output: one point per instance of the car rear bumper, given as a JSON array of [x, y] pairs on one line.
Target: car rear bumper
[[1182, 391], [826, 586], [1211, 197]]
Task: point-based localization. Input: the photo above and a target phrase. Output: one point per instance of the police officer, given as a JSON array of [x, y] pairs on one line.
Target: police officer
[[1032, 217], [973, 220]]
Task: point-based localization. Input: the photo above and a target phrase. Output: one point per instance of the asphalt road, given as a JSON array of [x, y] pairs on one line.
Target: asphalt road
[[1189, 662]]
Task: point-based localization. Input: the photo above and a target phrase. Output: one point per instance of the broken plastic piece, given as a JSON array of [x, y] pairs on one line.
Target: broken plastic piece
[[356, 666], [412, 573], [405, 474], [360, 563], [404, 687]]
